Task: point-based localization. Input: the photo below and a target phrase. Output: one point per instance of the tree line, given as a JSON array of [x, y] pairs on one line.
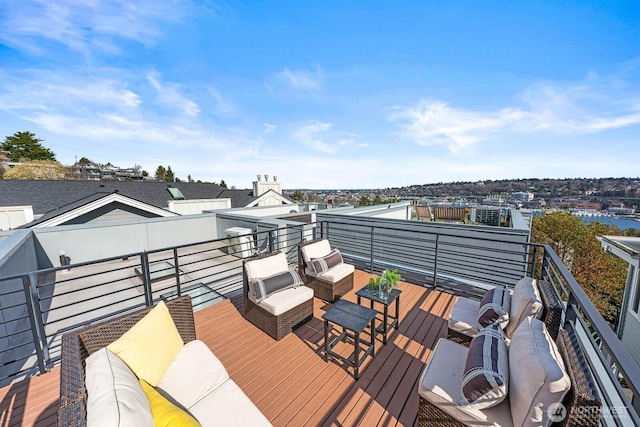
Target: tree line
[[38, 162]]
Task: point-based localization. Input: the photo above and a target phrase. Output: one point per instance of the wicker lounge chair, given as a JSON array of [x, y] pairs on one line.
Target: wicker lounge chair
[[582, 394], [324, 288], [78, 345], [277, 326], [551, 314]]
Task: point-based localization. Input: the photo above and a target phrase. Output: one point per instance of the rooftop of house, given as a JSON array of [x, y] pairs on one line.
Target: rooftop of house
[[46, 196]]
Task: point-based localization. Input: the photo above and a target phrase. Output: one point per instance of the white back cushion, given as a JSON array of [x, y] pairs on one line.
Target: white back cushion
[[537, 375], [194, 373], [315, 250], [266, 267], [525, 301], [114, 394]]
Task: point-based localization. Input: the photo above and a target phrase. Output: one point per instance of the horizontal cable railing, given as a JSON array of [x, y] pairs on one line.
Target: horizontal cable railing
[[38, 307]]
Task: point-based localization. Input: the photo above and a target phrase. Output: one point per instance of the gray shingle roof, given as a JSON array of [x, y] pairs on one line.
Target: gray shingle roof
[[45, 196]]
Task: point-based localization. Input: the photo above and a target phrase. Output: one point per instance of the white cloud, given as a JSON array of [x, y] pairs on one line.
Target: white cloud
[[222, 106], [83, 26], [46, 91], [101, 112], [268, 128], [588, 107], [310, 135], [302, 79], [321, 136], [170, 95]]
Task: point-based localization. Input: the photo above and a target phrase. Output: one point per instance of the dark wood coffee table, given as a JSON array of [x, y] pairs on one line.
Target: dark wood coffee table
[[353, 319], [387, 324]]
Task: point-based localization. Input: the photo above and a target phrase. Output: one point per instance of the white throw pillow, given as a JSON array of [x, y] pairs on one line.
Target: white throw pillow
[[114, 394]]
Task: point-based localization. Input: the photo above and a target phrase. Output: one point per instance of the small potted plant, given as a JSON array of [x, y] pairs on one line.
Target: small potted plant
[[384, 283]]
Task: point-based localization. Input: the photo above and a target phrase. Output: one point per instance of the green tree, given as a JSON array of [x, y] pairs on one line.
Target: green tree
[[145, 173], [84, 161], [169, 176], [297, 196], [377, 200], [601, 276], [223, 184], [189, 179], [161, 173], [365, 201], [25, 145]]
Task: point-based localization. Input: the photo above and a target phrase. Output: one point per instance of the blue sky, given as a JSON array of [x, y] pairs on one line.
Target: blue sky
[[331, 94]]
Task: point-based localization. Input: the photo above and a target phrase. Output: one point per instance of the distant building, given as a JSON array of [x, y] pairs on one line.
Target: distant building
[[521, 196], [96, 172], [573, 203], [494, 200], [621, 211]]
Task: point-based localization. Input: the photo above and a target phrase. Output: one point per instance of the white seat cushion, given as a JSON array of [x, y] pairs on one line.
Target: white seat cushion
[[337, 273], [315, 250], [285, 300], [114, 394], [228, 406], [266, 267], [441, 384], [464, 317], [194, 373], [537, 374]]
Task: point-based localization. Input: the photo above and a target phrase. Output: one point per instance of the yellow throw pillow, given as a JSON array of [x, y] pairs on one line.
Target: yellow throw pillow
[[149, 347], [165, 413]]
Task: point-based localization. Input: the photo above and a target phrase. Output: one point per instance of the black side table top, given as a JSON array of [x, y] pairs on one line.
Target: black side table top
[[364, 292], [349, 315]]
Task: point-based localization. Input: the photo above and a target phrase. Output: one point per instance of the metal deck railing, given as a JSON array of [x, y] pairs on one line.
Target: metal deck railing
[[39, 306]]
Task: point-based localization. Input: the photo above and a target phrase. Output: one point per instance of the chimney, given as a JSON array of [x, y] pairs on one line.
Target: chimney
[[260, 187]]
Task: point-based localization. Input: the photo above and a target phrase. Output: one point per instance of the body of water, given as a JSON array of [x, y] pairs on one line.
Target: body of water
[[622, 224]]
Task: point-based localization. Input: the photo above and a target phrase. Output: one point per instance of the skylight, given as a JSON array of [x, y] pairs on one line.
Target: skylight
[[175, 193]]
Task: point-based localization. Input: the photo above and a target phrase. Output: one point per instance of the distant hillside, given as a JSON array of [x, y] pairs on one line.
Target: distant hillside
[[545, 188]]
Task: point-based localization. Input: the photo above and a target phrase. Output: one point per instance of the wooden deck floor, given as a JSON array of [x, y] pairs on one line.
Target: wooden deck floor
[[289, 380]]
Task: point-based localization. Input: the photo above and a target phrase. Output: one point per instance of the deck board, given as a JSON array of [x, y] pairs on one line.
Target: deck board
[[288, 380]]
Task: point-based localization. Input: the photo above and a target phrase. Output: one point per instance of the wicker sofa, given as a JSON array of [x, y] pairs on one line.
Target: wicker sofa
[[216, 398], [440, 385], [333, 283], [463, 322], [279, 314]]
